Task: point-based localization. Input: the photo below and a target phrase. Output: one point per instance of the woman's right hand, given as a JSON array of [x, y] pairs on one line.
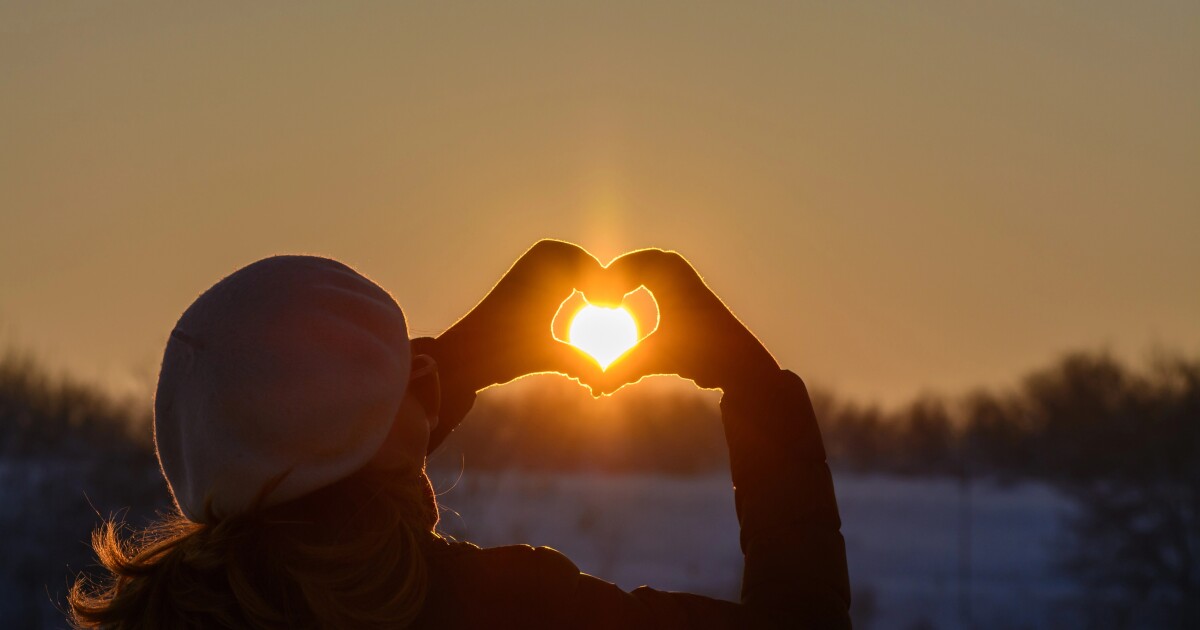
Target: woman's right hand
[[697, 338]]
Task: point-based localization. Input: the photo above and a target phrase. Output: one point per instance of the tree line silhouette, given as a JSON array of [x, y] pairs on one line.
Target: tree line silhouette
[[1123, 443]]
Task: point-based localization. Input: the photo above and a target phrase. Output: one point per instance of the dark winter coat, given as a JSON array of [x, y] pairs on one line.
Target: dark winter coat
[[795, 572]]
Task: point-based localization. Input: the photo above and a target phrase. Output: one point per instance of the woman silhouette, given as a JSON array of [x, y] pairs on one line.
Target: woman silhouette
[[292, 420]]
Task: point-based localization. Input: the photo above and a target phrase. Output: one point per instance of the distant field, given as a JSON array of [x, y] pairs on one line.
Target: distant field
[[671, 533], [903, 539]]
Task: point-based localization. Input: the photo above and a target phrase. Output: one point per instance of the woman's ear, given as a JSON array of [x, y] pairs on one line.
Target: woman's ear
[[424, 386]]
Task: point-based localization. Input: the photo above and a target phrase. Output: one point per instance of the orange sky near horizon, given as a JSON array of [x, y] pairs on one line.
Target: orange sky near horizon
[[894, 196]]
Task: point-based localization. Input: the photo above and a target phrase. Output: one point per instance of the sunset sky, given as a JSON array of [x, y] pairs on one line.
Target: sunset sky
[[894, 196]]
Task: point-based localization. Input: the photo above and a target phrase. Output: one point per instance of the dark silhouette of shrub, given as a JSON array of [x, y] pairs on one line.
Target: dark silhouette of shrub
[[68, 453]]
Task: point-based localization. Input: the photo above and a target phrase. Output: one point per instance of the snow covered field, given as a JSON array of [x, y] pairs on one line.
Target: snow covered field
[[903, 536]]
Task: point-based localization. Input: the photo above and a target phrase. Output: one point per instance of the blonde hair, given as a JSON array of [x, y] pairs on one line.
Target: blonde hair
[[349, 555]]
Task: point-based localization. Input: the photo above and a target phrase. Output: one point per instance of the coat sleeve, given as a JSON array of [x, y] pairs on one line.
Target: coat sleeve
[[795, 573]]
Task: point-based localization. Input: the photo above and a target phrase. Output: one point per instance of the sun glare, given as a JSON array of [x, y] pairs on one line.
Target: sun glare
[[604, 333]]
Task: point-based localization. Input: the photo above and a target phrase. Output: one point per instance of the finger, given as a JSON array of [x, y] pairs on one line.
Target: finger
[[653, 356], [551, 270], [565, 359], [668, 275], [620, 276], [536, 283], [556, 261]]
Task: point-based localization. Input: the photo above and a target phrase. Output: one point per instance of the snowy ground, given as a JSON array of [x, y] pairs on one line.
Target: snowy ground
[[904, 540]]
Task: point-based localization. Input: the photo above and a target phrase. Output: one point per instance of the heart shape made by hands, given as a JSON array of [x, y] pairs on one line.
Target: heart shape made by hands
[[606, 333]]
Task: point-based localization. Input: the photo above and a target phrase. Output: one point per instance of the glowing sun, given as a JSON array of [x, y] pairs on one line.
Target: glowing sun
[[604, 333]]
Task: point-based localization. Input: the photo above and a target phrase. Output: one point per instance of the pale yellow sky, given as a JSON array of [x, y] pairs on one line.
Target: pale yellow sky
[[895, 196]]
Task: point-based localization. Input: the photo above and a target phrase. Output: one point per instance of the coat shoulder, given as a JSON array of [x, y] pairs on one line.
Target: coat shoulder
[[519, 583]]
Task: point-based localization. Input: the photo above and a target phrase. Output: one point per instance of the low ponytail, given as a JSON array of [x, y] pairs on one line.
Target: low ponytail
[[349, 555]]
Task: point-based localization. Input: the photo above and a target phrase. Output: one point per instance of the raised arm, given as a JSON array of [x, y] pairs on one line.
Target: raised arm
[[795, 572], [795, 560]]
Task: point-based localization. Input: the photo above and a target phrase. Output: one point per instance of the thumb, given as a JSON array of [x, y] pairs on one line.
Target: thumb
[[565, 359], [650, 357]]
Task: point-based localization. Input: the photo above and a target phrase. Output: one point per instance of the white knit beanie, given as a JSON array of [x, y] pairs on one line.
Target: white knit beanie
[[292, 365]]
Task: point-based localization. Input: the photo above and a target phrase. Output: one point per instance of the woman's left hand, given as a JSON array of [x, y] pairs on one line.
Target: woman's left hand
[[507, 335]]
